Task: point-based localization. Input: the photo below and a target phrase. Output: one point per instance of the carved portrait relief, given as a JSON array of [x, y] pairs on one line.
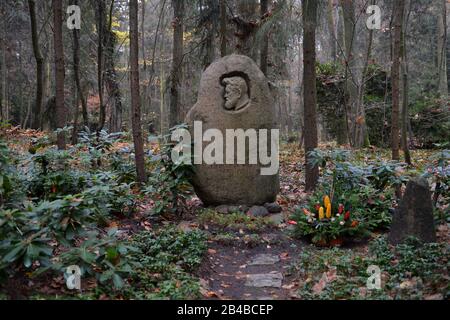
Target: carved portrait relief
[[236, 93]]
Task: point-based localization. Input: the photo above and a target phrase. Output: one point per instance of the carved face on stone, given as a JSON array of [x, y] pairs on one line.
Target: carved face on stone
[[236, 93]]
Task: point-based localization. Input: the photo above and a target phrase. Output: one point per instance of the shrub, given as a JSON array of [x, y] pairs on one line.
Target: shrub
[[430, 123], [169, 182], [367, 191], [10, 183], [23, 240], [170, 247], [106, 257], [66, 218], [110, 198], [331, 100], [98, 143], [439, 174], [373, 207], [165, 258], [27, 233], [405, 262], [51, 176], [410, 259], [123, 168]]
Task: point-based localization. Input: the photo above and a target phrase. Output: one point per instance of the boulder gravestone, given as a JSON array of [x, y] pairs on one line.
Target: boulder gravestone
[[234, 97], [414, 216]]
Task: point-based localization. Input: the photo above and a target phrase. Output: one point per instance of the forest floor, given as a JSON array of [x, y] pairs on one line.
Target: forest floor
[[249, 257]]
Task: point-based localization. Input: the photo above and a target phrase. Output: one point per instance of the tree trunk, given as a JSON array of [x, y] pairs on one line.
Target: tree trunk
[[442, 49], [309, 87], [398, 15], [405, 106], [59, 71], [143, 4], [351, 90], [145, 86], [135, 96], [76, 105], [39, 66], [162, 87], [152, 65], [177, 59], [76, 71], [27, 117], [265, 39], [111, 76], [100, 17], [47, 79], [4, 100], [2, 61], [331, 29], [246, 25], [211, 29], [361, 134], [223, 28]]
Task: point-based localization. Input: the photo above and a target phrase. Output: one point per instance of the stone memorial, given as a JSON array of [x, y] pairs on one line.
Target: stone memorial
[[414, 216], [234, 98]]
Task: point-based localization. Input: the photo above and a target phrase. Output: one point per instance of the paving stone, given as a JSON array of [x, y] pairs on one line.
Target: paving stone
[[264, 280], [276, 218], [273, 207], [264, 259], [224, 209], [258, 211], [185, 226], [264, 298]]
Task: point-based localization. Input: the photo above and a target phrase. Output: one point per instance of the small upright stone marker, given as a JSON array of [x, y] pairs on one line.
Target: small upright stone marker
[[414, 216]]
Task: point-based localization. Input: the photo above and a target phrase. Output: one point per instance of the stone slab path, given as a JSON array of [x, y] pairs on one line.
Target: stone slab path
[[261, 273]]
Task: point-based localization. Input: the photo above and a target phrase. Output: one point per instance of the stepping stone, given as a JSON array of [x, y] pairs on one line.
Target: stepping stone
[[258, 211], [273, 207], [276, 218], [264, 259], [264, 280], [271, 238], [185, 226], [264, 298], [224, 209]]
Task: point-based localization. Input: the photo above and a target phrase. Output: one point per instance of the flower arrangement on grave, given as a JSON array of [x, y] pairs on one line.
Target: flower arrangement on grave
[[326, 222]]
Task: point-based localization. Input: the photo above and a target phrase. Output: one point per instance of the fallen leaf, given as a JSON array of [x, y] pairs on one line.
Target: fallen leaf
[[288, 286], [319, 286], [436, 296], [332, 275], [211, 294], [326, 278]]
